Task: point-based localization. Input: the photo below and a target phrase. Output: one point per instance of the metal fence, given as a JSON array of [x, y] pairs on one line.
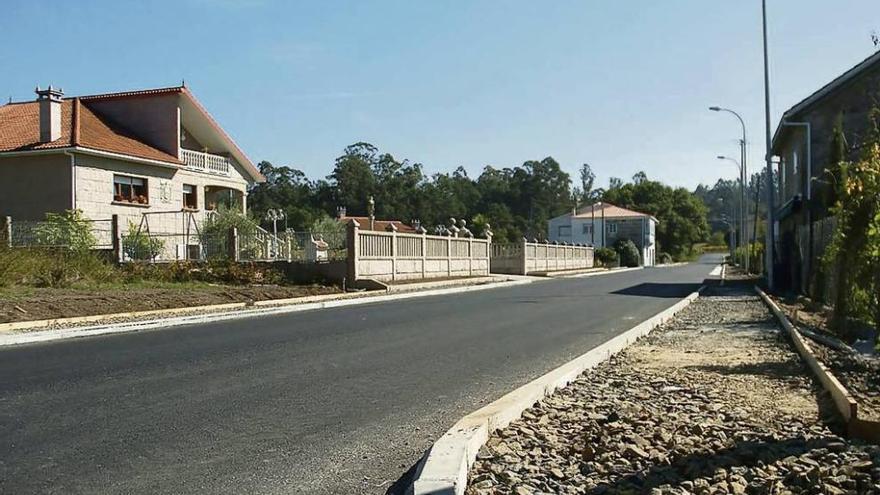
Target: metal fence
[[137, 244], [85, 234]]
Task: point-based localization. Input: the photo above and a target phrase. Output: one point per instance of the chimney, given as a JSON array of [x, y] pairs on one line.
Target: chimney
[[50, 113], [340, 212]]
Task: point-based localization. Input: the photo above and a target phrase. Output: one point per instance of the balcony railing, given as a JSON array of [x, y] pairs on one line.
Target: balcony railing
[[206, 162]]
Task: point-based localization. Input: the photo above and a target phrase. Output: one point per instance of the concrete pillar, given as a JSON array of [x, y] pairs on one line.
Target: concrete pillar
[[116, 232], [353, 237], [232, 244], [6, 230]]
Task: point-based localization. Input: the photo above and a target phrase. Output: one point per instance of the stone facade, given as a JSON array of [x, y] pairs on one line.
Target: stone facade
[[94, 192]]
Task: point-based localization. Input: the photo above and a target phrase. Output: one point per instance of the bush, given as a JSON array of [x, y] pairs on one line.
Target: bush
[[57, 268], [70, 229], [138, 245], [628, 252], [664, 258], [606, 257]]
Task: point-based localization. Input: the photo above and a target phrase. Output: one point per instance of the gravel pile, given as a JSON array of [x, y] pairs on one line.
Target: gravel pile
[[715, 402]]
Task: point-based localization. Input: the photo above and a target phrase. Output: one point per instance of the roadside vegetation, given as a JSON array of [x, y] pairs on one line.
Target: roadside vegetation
[[516, 201], [854, 253]]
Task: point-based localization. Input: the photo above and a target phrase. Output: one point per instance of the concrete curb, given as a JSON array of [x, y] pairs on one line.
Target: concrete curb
[[446, 465], [843, 400], [295, 305], [604, 272]]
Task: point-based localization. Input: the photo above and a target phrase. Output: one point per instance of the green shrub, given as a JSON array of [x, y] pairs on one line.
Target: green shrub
[[70, 229], [139, 245], [58, 268], [606, 257], [664, 258], [628, 252]]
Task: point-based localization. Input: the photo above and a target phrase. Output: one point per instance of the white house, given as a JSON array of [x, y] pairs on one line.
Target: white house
[[602, 224]]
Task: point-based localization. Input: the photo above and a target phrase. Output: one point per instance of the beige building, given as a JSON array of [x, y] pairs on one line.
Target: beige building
[[153, 156]]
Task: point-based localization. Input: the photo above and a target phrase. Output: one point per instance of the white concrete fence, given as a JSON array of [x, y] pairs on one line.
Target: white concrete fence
[[526, 258], [393, 256]]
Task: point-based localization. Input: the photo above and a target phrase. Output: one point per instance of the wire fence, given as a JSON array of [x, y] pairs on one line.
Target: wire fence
[[148, 245], [85, 234]]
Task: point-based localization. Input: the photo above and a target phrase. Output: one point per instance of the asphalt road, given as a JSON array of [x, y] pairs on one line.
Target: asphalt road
[[338, 400]]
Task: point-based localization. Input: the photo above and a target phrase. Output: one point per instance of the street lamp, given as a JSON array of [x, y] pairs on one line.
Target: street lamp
[[273, 215], [742, 217], [742, 173]]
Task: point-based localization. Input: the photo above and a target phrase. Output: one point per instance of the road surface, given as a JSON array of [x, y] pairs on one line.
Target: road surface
[[339, 400]]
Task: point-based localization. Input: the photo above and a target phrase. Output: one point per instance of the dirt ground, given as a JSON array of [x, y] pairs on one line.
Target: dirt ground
[[42, 304]]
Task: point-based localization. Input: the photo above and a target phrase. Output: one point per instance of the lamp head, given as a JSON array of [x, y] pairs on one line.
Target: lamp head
[[715, 109]]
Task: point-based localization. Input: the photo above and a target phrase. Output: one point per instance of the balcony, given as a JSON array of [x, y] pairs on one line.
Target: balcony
[[206, 162]]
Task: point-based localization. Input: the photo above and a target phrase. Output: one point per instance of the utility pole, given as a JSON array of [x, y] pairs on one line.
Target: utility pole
[[768, 249]]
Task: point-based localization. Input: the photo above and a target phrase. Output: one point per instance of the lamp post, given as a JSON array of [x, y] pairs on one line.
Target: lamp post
[[743, 172], [741, 230], [273, 215], [768, 157]]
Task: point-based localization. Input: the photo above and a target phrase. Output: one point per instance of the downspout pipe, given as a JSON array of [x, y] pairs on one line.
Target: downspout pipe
[[808, 130]]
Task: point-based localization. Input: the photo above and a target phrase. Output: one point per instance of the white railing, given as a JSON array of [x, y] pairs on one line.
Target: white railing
[[535, 257], [390, 256], [206, 162]]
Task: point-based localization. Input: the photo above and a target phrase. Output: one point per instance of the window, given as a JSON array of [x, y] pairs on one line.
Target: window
[[587, 229], [190, 200], [564, 231], [130, 189], [612, 228]]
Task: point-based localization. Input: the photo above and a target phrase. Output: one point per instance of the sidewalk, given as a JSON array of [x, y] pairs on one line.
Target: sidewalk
[[713, 402]]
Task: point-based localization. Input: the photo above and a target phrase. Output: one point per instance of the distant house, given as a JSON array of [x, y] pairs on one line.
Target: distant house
[[369, 223], [603, 224], [155, 151], [803, 143]]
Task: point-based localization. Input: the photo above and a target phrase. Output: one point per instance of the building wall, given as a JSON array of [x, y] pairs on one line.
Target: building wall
[[94, 192], [153, 119], [31, 186], [797, 258], [640, 230]]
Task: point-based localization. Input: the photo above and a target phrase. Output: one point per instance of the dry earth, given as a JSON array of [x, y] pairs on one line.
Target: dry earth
[[42, 304], [714, 402]]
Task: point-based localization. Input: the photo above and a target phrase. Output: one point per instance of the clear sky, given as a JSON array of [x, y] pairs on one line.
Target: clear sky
[[622, 85]]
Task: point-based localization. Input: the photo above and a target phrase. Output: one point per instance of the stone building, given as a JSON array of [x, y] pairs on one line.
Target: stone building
[[156, 152], [806, 177], [602, 225]]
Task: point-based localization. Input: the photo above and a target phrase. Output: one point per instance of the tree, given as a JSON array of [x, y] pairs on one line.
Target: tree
[[353, 178], [587, 189], [681, 214]]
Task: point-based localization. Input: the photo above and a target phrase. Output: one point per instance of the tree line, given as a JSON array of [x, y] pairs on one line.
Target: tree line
[[517, 201]]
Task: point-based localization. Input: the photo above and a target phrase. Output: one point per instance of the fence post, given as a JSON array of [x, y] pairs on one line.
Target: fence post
[[449, 256], [424, 253], [524, 258], [287, 241], [470, 256], [394, 250], [232, 250], [353, 233], [116, 232], [6, 228]]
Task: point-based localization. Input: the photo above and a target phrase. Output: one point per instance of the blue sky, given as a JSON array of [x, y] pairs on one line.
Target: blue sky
[[622, 85]]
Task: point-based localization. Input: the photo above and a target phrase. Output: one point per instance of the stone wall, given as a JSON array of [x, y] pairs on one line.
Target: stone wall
[[392, 256]]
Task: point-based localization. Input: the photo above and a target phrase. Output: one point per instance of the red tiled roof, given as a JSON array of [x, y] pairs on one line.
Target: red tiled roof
[[379, 225], [80, 126], [610, 211]]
